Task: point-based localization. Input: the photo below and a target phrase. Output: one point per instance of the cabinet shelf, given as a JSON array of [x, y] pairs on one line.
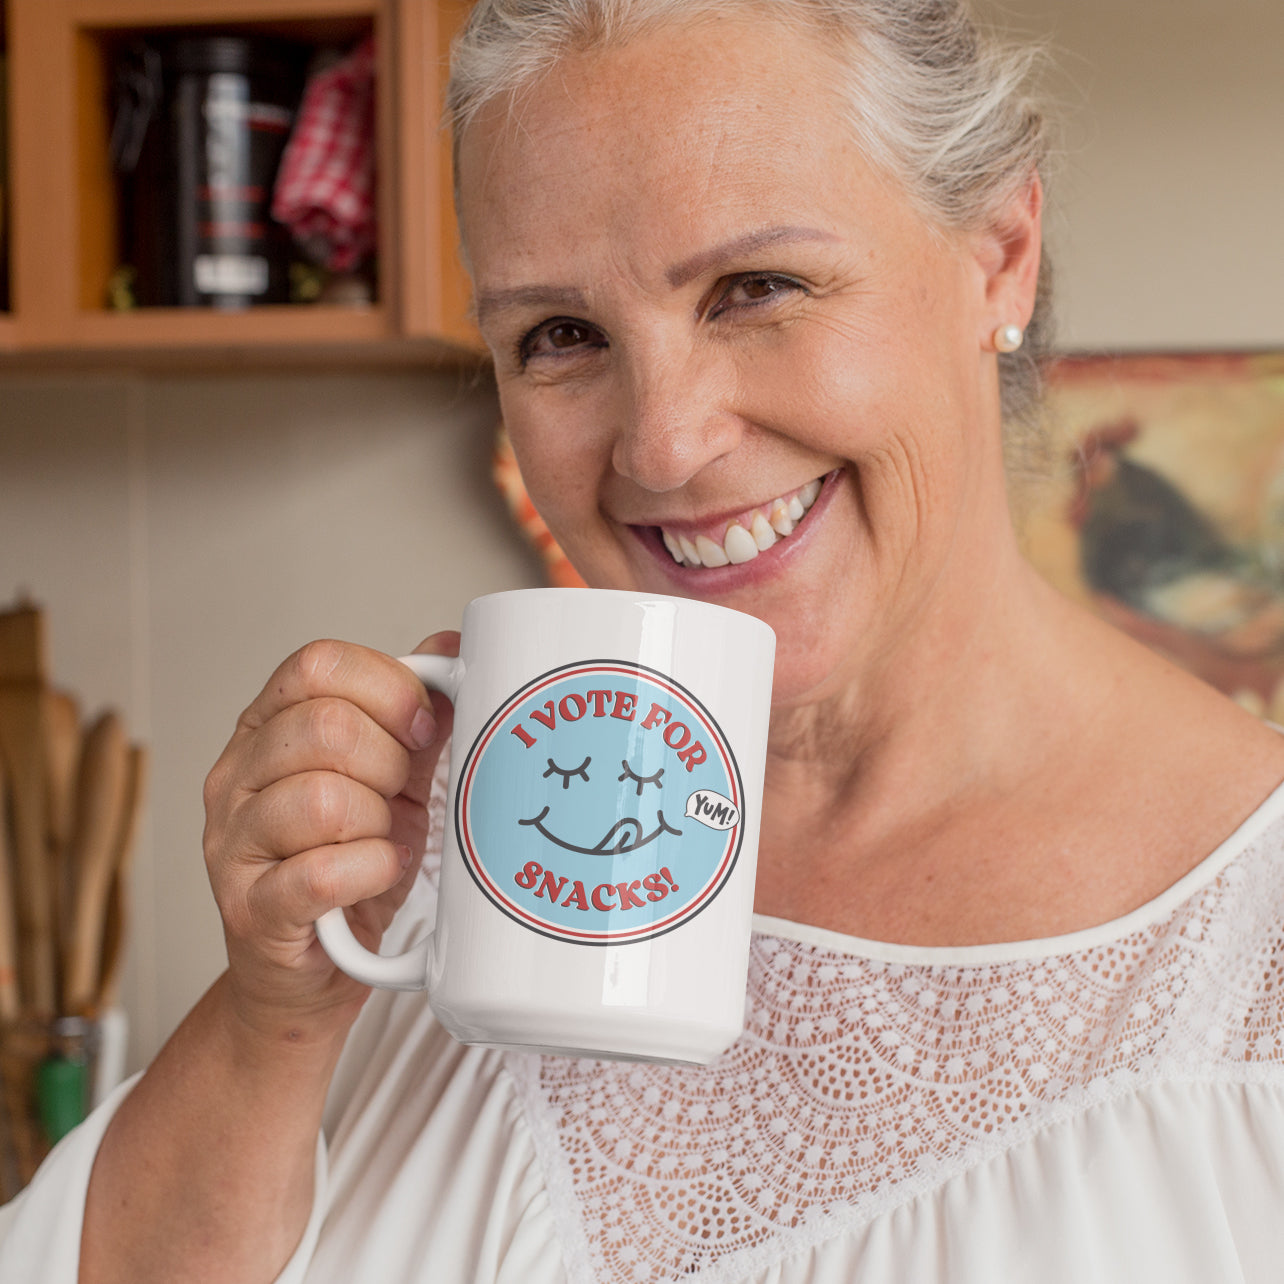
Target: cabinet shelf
[[66, 215], [269, 323]]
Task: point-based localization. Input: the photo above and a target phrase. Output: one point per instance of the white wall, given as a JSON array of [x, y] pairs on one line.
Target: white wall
[[185, 534], [1169, 193]]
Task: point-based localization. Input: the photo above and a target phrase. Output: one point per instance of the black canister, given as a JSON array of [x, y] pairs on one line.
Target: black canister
[[201, 125]]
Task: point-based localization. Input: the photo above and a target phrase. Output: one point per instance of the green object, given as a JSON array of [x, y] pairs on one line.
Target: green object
[[62, 1094]]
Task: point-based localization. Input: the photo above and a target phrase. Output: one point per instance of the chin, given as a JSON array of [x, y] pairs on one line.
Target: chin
[[817, 629], [805, 673]]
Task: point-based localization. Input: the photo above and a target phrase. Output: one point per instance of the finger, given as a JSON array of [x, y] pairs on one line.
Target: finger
[[409, 824], [375, 914], [444, 643], [422, 769], [385, 690], [294, 893], [423, 764], [324, 734], [313, 809]]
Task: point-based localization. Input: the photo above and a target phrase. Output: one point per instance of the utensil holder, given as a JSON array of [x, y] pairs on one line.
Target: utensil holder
[[48, 1070]]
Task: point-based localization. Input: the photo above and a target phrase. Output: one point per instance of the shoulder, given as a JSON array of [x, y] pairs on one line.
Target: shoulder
[[1223, 950]]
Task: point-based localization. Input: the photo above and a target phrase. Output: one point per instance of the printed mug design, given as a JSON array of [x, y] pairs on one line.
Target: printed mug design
[[600, 804]]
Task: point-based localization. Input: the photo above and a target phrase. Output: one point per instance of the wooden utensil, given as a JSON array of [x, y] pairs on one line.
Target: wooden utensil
[[16, 1154], [116, 915], [9, 1000], [115, 928], [101, 801], [62, 749], [23, 750]]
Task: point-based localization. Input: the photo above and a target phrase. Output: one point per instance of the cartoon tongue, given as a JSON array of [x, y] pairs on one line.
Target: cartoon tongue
[[626, 833], [624, 836]]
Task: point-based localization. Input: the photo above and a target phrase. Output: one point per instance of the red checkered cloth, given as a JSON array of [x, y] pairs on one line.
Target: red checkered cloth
[[325, 186]]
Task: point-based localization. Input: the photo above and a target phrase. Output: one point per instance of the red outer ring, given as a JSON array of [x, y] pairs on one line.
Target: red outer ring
[[483, 878]]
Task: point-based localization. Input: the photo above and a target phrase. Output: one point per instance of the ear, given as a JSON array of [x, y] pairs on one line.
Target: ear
[[1007, 253]]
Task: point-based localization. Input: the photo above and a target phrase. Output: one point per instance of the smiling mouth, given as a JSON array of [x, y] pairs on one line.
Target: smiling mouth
[[624, 836], [749, 534]]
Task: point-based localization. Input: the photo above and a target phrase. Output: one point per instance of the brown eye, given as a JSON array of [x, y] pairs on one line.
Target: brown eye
[[566, 334], [753, 291], [759, 287], [560, 336]]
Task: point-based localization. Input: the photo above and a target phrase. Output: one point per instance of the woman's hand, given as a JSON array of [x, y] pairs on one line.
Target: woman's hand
[[319, 800]]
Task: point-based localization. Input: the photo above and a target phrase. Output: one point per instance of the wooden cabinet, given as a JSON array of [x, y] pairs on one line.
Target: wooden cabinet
[[63, 200], [7, 333]]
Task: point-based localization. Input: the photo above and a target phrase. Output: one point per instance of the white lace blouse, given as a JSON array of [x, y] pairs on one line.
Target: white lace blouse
[[1107, 1106]]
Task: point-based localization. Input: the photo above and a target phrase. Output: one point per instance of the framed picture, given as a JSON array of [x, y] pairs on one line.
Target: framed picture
[[1165, 510]]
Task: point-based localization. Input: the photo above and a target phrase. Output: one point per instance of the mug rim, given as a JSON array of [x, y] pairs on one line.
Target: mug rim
[[628, 595]]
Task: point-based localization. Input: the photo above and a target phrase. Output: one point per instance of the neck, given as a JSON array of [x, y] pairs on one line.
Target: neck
[[972, 705]]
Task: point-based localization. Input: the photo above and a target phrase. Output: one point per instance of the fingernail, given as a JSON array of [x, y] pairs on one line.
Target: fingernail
[[422, 729], [404, 855]]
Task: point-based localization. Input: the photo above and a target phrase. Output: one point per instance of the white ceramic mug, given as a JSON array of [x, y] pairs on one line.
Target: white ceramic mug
[[601, 839]]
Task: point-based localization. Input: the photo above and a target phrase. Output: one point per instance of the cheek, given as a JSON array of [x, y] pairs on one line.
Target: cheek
[[550, 449], [562, 467], [826, 389], [861, 388]]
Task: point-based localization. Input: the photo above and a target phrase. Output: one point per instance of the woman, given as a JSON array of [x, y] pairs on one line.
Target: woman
[[1011, 1011]]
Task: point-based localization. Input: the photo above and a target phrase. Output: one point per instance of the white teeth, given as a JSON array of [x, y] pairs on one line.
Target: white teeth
[[762, 533], [710, 553], [740, 545]]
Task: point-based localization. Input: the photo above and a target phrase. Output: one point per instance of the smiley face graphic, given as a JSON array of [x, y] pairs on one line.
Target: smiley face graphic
[[625, 835], [600, 804]]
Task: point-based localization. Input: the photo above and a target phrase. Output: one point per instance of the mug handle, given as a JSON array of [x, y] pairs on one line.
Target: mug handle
[[408, 971]]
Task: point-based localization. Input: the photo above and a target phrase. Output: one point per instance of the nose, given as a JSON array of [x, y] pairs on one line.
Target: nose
[[676, 418]]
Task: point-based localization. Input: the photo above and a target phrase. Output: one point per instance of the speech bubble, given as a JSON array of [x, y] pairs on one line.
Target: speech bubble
[[712, 809]]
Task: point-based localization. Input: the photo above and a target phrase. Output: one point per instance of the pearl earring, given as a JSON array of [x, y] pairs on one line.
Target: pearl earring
[[1008, 338]]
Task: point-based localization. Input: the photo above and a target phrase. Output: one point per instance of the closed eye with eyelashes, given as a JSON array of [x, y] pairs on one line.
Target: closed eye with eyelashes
[[566, 773], [629, 774]]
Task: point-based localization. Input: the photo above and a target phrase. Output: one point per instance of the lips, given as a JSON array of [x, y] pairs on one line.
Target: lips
[[745, 536]]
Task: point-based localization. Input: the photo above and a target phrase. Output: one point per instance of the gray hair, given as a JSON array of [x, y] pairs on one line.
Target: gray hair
[[944, 108]]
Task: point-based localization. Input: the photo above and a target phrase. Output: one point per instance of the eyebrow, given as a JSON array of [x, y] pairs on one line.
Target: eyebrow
[[682, 273], [570, 299], [520, 296]]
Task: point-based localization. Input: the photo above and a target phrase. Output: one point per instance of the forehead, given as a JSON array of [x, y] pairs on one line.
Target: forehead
[[717, 120]]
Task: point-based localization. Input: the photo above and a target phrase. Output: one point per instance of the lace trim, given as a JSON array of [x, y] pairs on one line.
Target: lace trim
[[862, 1083]]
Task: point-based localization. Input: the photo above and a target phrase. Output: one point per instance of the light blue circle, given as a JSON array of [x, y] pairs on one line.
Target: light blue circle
[[572, 812]]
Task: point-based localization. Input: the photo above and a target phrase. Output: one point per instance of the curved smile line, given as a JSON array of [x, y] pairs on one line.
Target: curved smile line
[[742, 539], [624, 836]]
